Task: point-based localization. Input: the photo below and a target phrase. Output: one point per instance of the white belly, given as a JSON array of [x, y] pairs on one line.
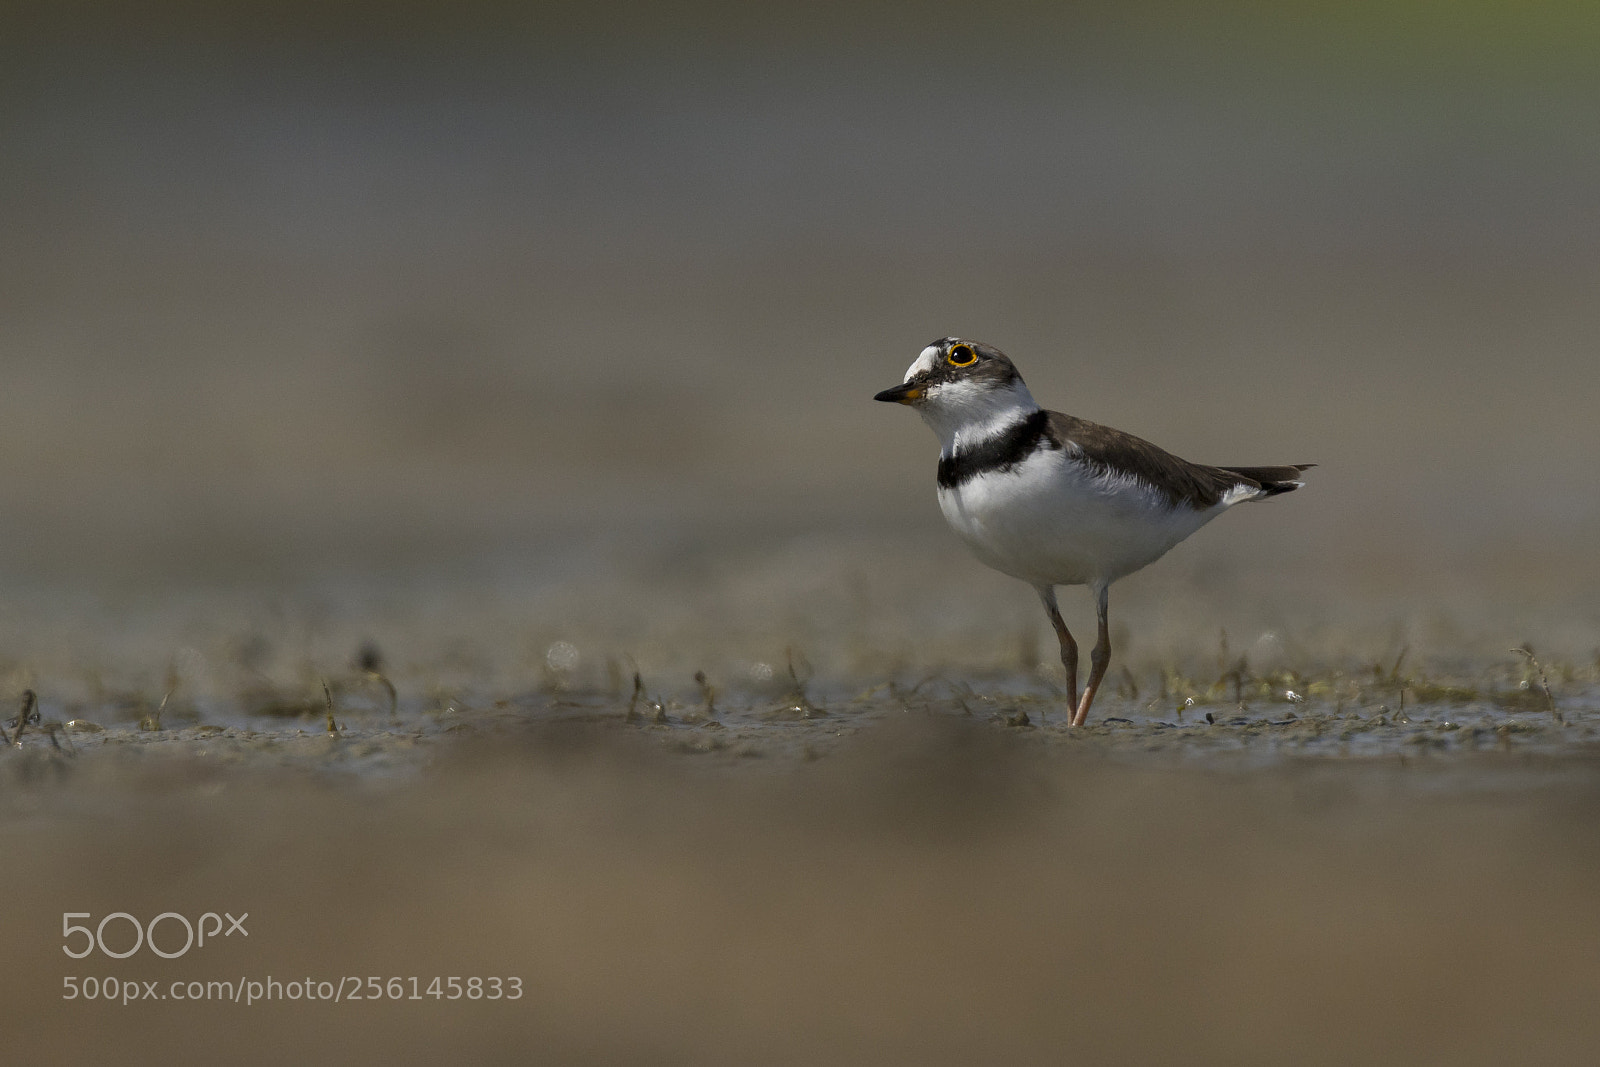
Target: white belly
[[1053, 521]]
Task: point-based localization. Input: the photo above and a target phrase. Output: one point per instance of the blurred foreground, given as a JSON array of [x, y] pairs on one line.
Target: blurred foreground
[[934, 890]]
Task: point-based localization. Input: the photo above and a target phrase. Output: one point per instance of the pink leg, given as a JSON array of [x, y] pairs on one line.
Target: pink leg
[[1099, 659], [1069, 647]]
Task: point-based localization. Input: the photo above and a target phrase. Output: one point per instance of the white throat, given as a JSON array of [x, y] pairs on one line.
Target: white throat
[[964, 413]]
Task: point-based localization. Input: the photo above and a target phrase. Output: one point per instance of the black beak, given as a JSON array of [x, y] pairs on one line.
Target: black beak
[[900, 394]]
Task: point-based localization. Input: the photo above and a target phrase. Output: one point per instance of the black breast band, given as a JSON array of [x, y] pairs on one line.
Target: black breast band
[[1000, 452]]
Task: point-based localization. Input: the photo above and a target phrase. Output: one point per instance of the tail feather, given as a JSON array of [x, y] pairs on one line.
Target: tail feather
[[1273, 480]]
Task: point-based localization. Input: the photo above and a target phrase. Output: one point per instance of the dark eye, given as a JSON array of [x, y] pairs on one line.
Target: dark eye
[[961, 356]]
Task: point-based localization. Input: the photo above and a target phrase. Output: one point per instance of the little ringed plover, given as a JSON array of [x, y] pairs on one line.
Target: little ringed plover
[[1056, 500]]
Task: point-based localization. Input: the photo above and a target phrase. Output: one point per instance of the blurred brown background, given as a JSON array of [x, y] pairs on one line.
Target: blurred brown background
[[289, 288], [562, 321]]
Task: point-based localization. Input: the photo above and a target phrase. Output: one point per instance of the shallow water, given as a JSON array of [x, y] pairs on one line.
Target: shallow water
[[879, 840], [915, 885]]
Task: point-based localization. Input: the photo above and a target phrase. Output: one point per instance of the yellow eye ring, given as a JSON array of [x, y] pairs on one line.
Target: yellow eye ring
[[961, 356]]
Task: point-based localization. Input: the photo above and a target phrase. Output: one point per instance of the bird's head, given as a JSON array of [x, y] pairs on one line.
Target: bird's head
[[963, 389]]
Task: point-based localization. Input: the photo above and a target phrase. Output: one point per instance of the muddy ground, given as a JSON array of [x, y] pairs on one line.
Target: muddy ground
[[908, 874]]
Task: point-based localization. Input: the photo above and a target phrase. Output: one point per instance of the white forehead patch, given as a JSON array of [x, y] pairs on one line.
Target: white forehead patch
[[925, 362]]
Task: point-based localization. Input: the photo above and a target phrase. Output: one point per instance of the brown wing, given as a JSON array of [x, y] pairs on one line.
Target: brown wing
[[1180, 481]]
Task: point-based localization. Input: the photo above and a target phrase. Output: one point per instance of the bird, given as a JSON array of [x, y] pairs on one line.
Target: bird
[[1057, 500]]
